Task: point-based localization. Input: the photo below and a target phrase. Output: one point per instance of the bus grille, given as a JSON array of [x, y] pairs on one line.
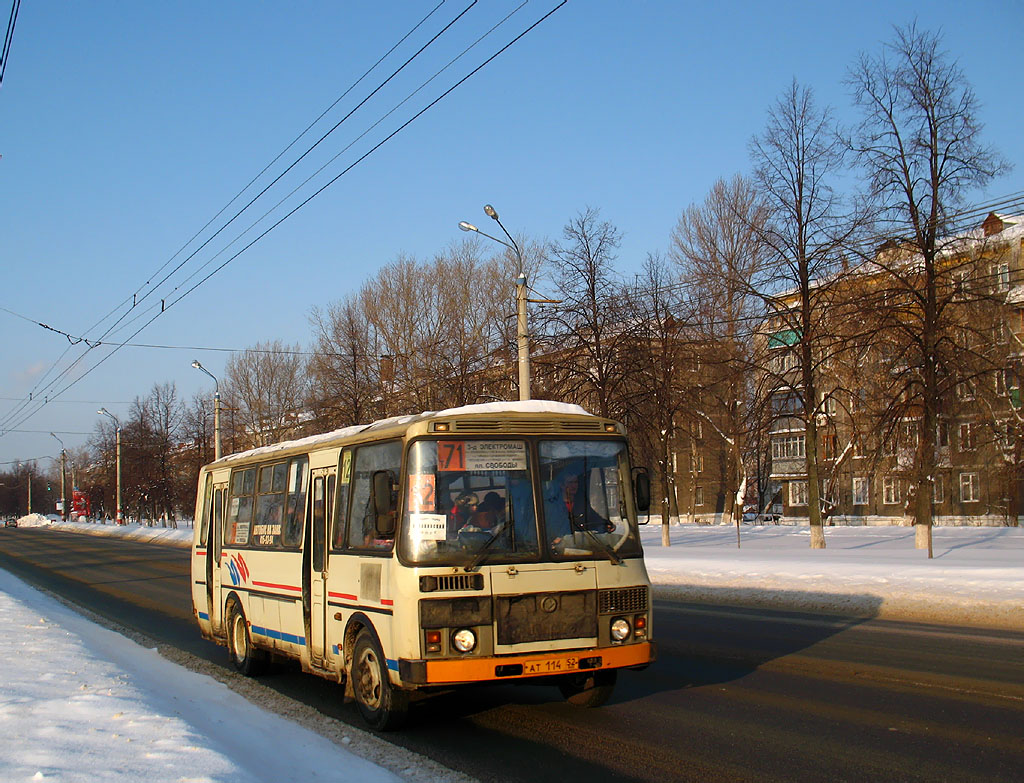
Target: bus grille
[[539, 617], [442, 582], [623, 599]]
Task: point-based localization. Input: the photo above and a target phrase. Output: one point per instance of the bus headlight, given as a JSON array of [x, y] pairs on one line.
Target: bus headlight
[[620, 629], [464, 640]]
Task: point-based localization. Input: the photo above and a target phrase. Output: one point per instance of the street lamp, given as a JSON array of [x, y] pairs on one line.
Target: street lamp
[[28, 468], [117, 431], [63, 469], [521, 334], [216, 409]]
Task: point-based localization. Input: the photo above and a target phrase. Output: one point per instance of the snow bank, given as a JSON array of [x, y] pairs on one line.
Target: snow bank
[[976, 576], [81, 703], [180, 537]]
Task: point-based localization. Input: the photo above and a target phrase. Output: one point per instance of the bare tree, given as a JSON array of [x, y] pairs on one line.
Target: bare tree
[[919, 145], [266, 385], [718, 248], [658, 376], [586, 337], [796, 158], [345, 366]]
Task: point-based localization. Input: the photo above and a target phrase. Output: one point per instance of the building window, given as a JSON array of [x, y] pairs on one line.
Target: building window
[[698, 496], [909, 436], [789, 446], [967, 436], [942, 434], [890, 490], [999, 381], [860, 491], [969, 488], [798, 493], [960, 284], [1001, 275], [829, 444], [938, 489], [784, 361], [965, 390], [697, 463], [999, 334]]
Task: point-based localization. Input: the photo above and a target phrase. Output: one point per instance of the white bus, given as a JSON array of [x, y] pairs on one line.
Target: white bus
[[486, 543]]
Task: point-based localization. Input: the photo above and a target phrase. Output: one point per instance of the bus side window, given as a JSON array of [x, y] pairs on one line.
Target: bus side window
[[204, 531], [341, 515], [362, 525]]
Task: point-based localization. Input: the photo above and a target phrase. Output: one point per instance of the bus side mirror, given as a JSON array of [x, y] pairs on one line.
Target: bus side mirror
[[383, 503], [642, 489]]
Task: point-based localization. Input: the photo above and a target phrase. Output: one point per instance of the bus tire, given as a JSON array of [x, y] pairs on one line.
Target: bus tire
[[383, 706], [590, 689], [244, 657]]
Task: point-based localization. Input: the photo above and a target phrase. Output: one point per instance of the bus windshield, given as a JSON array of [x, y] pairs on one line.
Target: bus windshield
[[469, 500], [585, 512]]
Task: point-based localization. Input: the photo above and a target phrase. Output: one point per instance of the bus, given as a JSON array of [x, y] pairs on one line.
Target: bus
[[487, 543]]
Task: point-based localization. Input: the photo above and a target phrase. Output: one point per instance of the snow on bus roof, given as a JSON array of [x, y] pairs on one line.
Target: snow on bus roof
[[514, 406]]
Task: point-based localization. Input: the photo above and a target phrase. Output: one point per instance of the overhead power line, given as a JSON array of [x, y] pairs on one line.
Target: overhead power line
[[136, 301], [166, 305], [6, 53]]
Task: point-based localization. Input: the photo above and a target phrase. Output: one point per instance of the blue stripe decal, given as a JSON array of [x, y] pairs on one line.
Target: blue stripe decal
[[270, 633], [204, 616], [393, 665]]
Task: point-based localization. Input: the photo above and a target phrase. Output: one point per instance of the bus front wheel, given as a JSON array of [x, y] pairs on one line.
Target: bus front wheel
[[244, 657], [591, 689], [383, 706]]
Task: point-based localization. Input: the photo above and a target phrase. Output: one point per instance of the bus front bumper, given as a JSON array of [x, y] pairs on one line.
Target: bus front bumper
[[451, 671]]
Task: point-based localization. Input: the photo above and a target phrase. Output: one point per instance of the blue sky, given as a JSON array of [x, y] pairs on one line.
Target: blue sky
[[124, 127]]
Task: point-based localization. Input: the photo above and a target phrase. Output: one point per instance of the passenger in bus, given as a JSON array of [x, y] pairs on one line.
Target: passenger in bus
[[567, 509], [463, 508], [490, 513]]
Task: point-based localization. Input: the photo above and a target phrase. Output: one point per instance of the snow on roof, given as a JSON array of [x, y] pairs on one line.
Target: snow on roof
[[514, 406]]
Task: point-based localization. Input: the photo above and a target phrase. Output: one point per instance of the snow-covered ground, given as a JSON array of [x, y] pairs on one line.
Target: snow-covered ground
[[79, 702], [975, 577]]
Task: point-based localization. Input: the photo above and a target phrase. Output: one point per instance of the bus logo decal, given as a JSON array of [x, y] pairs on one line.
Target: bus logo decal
[[238, 569]]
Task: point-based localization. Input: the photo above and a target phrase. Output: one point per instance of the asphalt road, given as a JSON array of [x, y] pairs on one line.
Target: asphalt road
[[737, 694]]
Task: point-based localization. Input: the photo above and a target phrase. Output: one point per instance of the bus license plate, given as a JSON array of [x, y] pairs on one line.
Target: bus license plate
[[552, 665]]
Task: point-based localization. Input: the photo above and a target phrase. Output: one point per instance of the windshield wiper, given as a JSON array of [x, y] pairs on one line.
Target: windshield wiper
[[482, 553], [616, 560]]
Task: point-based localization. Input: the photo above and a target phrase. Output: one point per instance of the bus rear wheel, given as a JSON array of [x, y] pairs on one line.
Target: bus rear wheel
[[590, 689], [244, 657], [383, 706]]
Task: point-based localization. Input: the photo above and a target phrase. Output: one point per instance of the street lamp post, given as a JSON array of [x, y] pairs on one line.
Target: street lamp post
[[216, 409], [117, 432], [522, 339], [28, 470], [63, 470]]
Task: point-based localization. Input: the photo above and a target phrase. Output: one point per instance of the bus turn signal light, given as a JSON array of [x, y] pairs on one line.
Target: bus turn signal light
[[433, 641], [640, 626]]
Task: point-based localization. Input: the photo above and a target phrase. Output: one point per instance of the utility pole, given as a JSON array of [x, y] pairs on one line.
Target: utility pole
[[216, 409], [63, 470], [522, 333], [117, 424]]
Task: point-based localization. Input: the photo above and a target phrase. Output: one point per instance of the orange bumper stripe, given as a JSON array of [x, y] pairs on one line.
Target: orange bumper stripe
[[483, 669]]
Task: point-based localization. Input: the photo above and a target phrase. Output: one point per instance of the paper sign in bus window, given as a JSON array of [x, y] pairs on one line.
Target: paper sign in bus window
[[481, 455], [421, 493], [428, 527]]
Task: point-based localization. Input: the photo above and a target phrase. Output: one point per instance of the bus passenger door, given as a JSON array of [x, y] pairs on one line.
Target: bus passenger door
[[322, 497], [213, 559]]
